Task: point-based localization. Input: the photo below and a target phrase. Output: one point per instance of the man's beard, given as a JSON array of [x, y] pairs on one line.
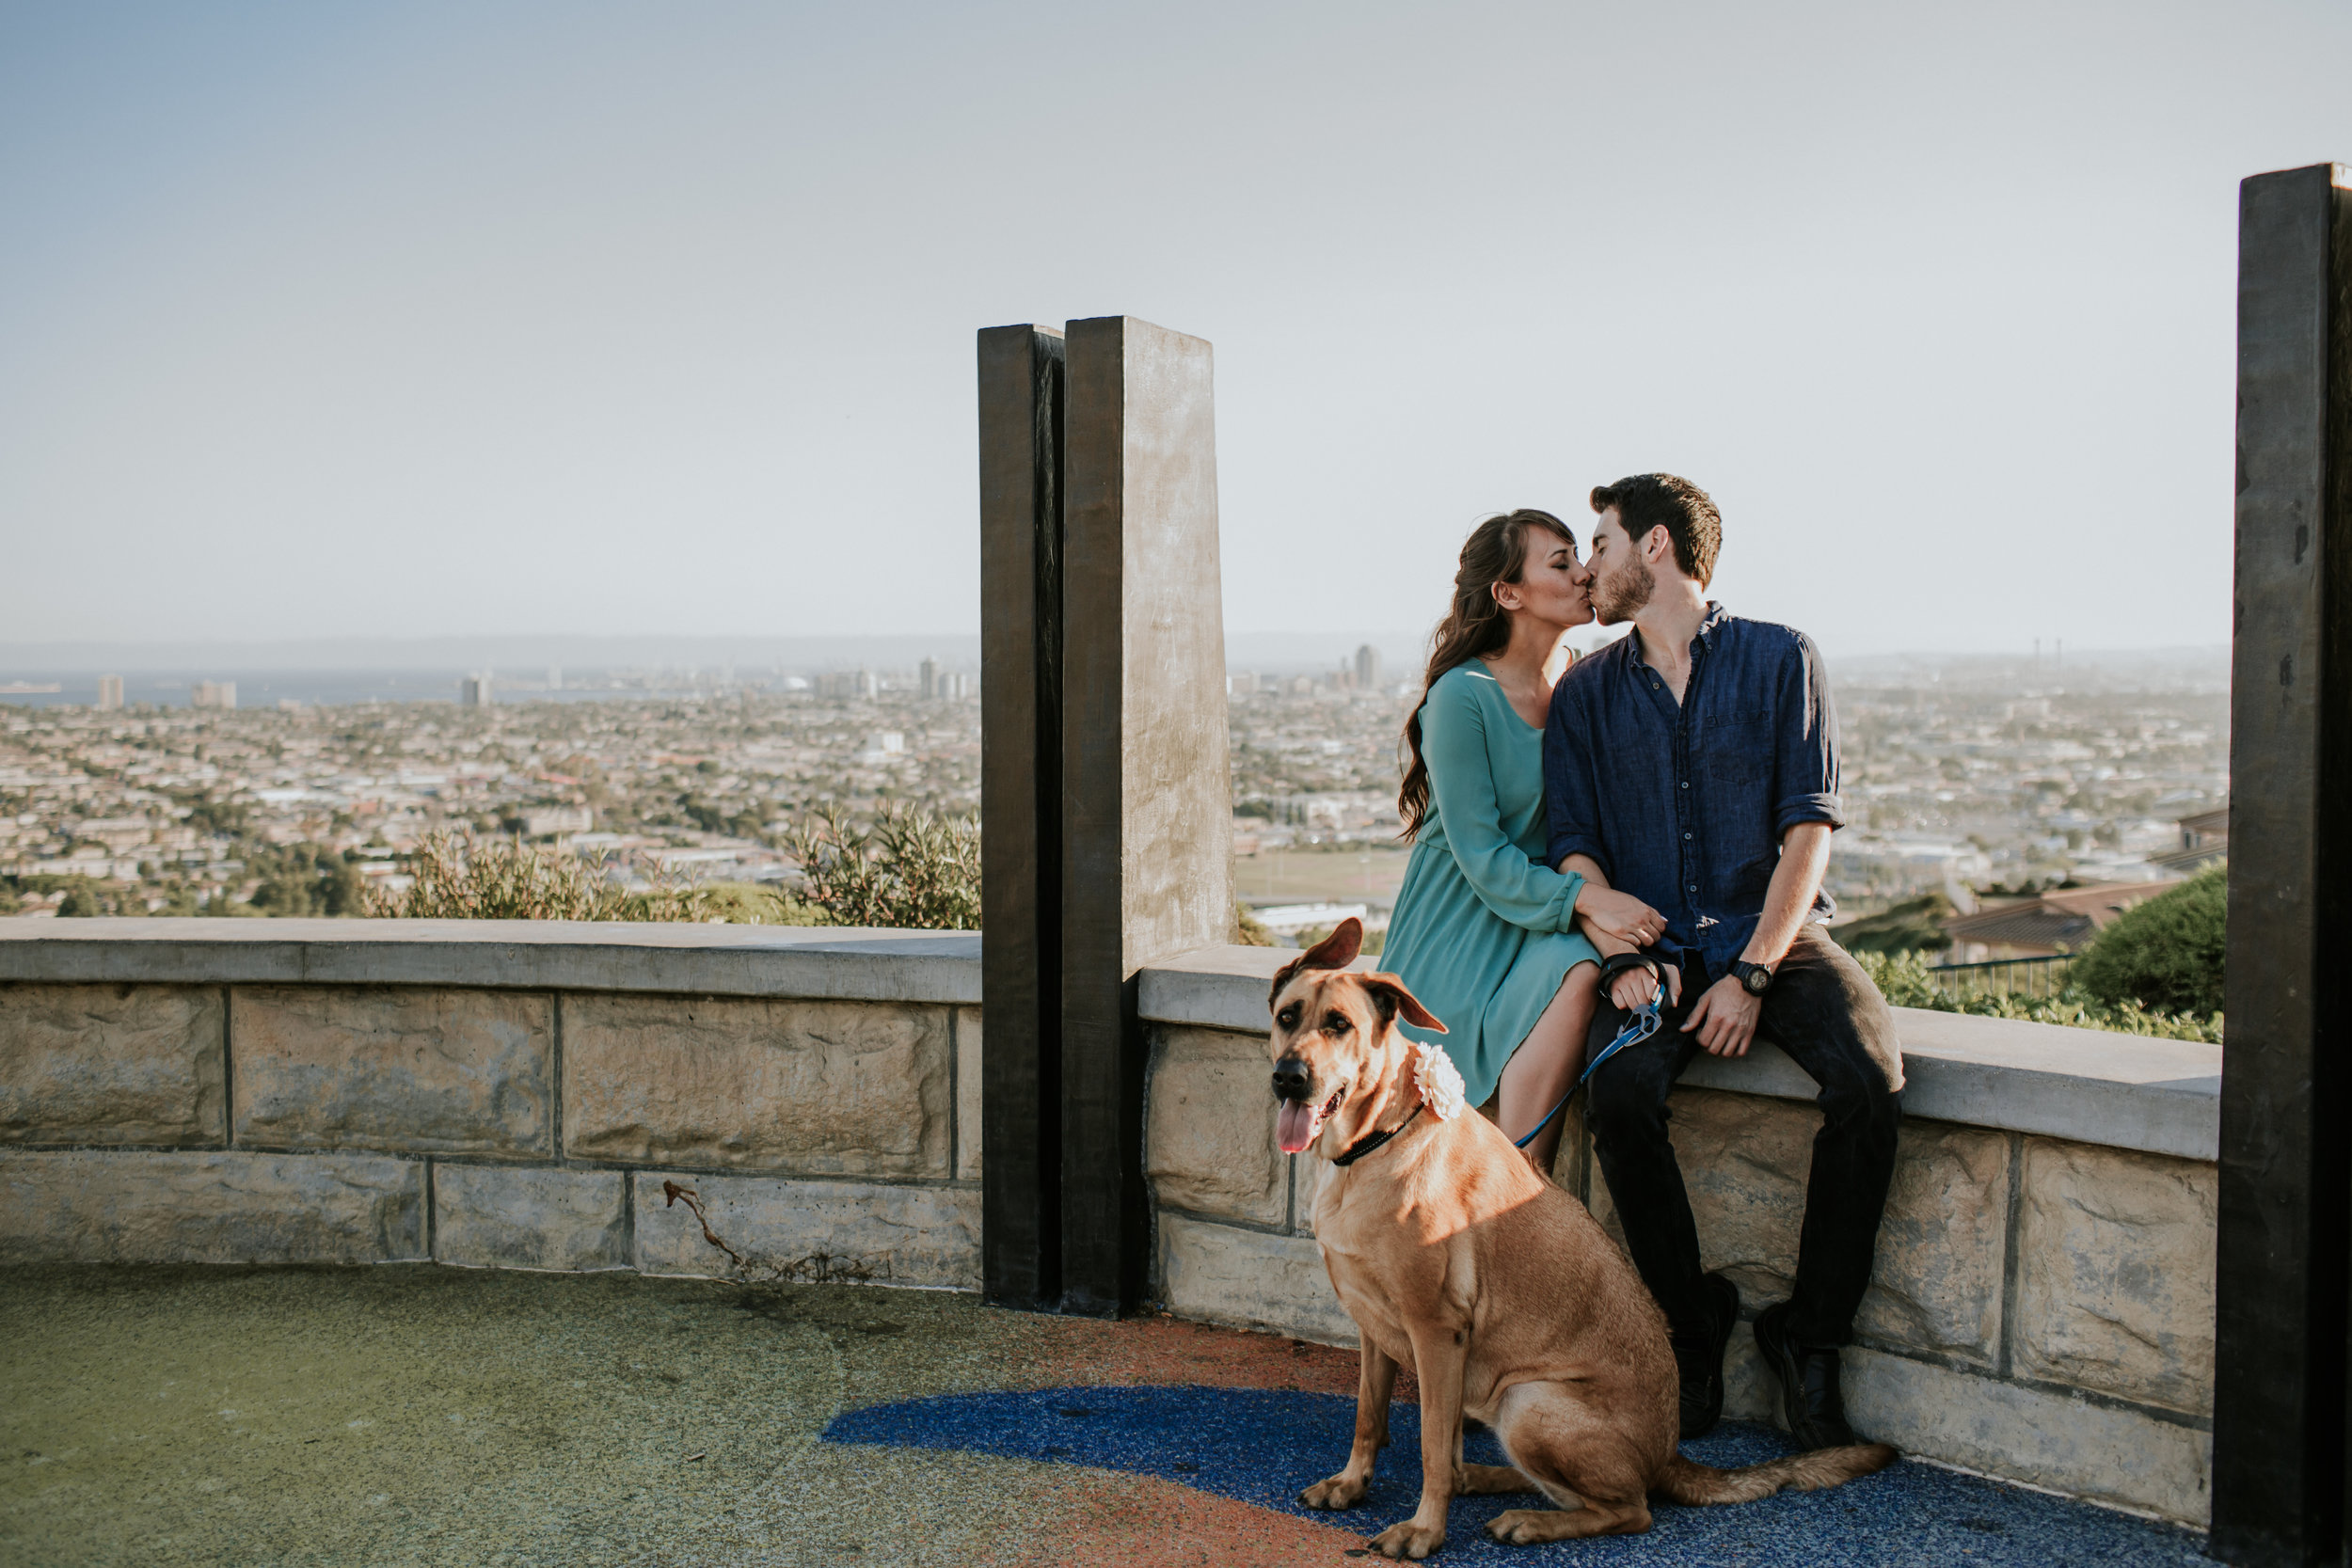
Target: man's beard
[[1621, 595]]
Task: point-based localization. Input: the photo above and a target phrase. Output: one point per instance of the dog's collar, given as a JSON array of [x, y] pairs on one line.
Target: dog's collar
[[1371, 1141]]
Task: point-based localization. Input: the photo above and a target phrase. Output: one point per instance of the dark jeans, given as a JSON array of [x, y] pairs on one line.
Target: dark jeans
[[1825, 1013]]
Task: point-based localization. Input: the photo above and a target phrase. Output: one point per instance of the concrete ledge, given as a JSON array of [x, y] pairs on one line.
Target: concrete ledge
[[525, 955], [225, 1207], [2126, 1091]]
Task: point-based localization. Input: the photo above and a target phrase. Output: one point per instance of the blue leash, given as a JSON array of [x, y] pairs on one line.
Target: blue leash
[[1641, 1026]]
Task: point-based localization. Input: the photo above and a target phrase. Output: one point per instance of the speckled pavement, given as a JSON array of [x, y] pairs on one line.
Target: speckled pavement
[[421, 1415], [1259, 1446]]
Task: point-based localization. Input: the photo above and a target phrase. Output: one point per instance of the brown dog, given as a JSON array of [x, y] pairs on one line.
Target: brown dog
[[1497, 1287]]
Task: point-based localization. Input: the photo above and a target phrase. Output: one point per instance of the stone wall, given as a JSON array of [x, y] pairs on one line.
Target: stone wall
[[2041, 1307], [491, 1095], [210, 1111]]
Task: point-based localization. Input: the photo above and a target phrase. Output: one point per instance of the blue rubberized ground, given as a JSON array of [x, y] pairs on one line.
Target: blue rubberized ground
[[1263, 1446]]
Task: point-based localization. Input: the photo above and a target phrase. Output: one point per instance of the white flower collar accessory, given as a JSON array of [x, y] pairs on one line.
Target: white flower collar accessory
[[1438, 1080]]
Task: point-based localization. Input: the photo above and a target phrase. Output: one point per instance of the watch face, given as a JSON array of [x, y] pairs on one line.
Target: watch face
[[1759, 980]]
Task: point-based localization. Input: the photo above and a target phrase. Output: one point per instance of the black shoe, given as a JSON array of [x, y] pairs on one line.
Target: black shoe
[[1699, 1357], [1807, 1375]]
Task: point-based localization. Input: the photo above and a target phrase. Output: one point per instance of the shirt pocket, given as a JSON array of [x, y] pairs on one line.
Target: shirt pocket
[[1737, 749]]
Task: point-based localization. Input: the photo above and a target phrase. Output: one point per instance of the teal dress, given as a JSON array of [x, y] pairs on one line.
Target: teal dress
[[1484, 932]]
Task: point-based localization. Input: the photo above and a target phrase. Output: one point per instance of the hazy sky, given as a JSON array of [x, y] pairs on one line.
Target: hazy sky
[[418, 319]]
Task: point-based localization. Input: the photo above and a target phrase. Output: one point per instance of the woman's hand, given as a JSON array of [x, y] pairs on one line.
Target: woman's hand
[[1620, 914]]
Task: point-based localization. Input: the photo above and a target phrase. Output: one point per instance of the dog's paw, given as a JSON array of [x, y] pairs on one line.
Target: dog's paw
[[1339, 1491], [1408, 1540], [1524, 1526]]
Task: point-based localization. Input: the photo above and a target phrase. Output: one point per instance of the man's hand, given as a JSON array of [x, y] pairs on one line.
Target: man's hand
[[1620, 914], [1633, 988], [1725, 1018]]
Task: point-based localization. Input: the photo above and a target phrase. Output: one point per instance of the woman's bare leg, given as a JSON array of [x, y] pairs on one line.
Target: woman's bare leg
[[1544, 1067]]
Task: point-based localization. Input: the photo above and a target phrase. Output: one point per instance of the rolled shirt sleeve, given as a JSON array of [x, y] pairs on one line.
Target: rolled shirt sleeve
[[1806, 764]]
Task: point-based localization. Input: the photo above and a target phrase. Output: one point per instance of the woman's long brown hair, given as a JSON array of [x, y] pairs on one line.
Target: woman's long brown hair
[[1474, 624]]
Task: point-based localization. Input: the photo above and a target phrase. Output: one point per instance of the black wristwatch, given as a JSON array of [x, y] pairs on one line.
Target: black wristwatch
[[1756, 978]]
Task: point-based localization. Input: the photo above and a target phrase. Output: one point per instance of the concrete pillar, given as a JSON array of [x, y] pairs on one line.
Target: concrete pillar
[[2280, 1404], [1146, 799], [1021, 638]]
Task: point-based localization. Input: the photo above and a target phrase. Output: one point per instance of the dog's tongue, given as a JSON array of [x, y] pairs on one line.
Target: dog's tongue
[[1294, 1126]]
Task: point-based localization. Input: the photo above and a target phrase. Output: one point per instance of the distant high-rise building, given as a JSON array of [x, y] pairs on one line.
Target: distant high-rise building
[[929, 680], [1242, 682], [474, 691], [867, 685], [109, 693], [214, 694], [1367, 667]]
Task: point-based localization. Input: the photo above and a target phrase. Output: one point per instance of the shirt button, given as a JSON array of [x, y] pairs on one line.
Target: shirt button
[[1686, 783], [1693, 888], [1686, 835]]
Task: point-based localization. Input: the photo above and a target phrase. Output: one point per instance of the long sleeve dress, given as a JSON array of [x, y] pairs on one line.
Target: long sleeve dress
[[1484, 932]]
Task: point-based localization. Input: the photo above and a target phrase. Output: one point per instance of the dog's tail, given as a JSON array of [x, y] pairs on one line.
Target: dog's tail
[[1686, 1482]]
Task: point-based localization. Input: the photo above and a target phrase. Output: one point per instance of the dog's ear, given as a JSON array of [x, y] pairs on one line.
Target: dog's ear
[[1390, 995], [1336, 951]]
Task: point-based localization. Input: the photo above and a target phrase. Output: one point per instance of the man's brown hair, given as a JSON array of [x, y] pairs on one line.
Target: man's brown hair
[[1646, 501]]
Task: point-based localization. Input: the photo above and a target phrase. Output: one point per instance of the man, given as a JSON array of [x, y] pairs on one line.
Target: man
[[1694, 766]]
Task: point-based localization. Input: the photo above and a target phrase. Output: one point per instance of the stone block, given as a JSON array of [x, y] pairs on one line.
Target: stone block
[[225, 1206], [1221, 1274], [409, 1069], [1209, 1127], [1936, 1282], [530, 1217], [111, 1065], [2115, 1273], [967, 1094], [847, 1088], [2111, 1455], [812, 1230]]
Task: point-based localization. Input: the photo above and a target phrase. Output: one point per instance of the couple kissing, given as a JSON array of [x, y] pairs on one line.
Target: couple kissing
[[1618, 865]]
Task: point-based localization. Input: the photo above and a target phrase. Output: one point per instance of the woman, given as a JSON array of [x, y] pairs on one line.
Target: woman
[[1485, 933]]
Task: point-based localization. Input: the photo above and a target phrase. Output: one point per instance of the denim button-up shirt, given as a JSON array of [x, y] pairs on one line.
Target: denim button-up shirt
[[1683, 805]]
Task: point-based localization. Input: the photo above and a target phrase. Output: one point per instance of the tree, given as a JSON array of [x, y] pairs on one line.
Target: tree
[[2165, 954]]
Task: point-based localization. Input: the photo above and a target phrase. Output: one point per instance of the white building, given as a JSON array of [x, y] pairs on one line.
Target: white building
[[214, 694], [109, 693]]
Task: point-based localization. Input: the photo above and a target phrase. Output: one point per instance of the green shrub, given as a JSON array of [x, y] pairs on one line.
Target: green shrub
[[469, 878], [1904, 980], [2165, 954], [907, 868], [1247, 932]]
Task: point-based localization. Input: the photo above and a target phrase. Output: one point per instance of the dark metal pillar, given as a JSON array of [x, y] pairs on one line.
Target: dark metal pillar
[[1021, 697], [2280, 1408]]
